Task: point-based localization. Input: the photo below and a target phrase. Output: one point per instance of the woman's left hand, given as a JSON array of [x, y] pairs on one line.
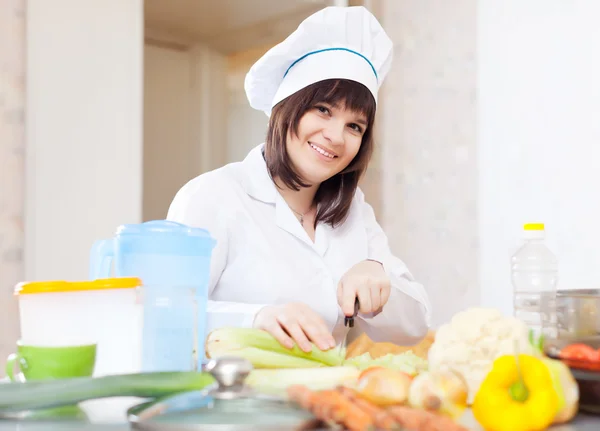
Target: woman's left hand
[[369, 282]]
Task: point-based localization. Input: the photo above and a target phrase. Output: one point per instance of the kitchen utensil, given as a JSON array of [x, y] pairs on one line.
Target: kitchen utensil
[[104, 312], [44, 363], [578, 313], [230, 405], [159, 252], [168, 257], [349, 322], [169, 338]]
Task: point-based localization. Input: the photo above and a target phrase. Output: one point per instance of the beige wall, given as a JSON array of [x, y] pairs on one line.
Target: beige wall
[[84, 130], [427, 164], [246, 126], [185, 119], [489, 121], [168, 159], [12, 166]]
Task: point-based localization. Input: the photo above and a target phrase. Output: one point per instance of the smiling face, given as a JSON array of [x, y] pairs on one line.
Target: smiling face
[[322, 136], [328, 138]]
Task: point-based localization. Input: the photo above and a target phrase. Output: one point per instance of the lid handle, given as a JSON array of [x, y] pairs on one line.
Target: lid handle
[[230, 372]]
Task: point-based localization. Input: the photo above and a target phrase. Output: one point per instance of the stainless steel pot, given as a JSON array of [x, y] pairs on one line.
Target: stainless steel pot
[[578, 313]]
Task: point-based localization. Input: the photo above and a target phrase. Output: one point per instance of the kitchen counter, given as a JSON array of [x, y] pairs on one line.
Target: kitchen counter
[[105, 414], [110, 415]]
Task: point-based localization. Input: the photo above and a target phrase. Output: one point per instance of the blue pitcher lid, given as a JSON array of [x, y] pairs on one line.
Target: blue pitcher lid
[[162, 227]]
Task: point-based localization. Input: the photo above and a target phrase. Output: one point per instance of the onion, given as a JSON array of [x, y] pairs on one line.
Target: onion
[[384, 386], [441, 391]]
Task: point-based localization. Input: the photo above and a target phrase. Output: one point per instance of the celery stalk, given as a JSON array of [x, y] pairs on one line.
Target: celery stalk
[[264, 351], [267, 359], [275, 382]]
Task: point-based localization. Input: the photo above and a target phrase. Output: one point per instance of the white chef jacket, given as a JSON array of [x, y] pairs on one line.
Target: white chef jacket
[[263, 255]]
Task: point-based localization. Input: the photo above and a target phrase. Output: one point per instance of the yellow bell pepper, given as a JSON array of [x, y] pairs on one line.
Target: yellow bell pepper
[[516, 396]]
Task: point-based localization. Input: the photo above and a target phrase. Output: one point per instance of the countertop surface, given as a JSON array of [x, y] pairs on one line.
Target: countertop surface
[[109, 414]]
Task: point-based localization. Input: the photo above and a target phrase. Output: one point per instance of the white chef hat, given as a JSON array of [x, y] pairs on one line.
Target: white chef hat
[[335, 42]]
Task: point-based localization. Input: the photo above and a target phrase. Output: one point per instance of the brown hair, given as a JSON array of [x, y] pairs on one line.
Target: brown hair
[[334, 195]]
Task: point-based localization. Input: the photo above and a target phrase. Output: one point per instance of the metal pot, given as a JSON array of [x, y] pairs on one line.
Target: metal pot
[[578, 313]]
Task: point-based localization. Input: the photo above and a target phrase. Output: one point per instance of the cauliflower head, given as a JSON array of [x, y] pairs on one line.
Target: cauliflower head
[[473, 339]]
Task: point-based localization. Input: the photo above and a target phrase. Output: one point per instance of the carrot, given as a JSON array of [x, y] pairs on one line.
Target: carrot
[[330, 406], [345, 412], [382, 419], [421, 420], [409, 418], [444, 423], [301, 395], [307, 399]]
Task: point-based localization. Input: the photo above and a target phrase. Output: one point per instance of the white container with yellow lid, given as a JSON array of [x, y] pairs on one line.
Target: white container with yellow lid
[[105, 311]]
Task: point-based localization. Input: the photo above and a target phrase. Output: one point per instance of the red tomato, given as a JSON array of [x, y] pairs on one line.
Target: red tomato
[[580, 352]]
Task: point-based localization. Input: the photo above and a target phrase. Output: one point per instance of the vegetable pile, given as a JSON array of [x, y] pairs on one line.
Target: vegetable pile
[[480, 358], [381, 400], [276, 367], [360, 393], [262, 350], [473, 339]]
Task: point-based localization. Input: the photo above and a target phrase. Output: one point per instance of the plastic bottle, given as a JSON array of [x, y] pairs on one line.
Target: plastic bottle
[[535, 278]]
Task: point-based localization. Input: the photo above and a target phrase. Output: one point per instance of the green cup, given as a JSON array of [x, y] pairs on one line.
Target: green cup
[[44, 362]]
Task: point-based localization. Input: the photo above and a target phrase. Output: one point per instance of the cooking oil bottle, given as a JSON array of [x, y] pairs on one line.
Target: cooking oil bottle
[[534, 273]]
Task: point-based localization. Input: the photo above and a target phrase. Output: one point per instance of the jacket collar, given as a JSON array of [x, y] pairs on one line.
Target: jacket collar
[[259, 185], [258, 182]]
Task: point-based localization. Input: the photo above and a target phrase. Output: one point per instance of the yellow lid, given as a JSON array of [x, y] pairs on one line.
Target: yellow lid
[[26, 288], [534, 226]]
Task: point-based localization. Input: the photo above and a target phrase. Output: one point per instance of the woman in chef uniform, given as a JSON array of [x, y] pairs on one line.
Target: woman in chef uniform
[[296, 240]]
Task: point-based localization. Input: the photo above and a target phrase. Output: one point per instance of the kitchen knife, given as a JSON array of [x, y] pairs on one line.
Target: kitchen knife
[[349, 322]]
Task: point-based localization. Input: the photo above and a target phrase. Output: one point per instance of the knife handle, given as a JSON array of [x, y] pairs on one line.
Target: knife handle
[[349, 320]]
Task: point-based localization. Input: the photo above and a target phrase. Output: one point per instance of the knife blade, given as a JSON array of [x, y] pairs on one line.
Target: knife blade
[[349, 322]]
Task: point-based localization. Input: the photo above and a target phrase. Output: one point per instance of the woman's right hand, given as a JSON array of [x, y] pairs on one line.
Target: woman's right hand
[[295, 322]]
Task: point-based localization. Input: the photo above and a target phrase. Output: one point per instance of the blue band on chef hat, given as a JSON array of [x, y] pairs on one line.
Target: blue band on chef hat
[[332, 49]]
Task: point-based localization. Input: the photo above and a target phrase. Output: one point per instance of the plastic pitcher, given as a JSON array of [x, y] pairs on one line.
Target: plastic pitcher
[[170, 331], [173, 262]]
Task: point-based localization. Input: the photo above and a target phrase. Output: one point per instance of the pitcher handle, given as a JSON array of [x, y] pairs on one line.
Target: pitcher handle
[[101, 256], [12, 360]]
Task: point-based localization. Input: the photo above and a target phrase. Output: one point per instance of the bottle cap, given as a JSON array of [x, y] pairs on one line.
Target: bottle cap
[[534, 231]]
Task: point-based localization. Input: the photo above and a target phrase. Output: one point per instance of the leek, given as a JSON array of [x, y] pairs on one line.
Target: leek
[[275, 382], [43, 394], [264, 351]]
